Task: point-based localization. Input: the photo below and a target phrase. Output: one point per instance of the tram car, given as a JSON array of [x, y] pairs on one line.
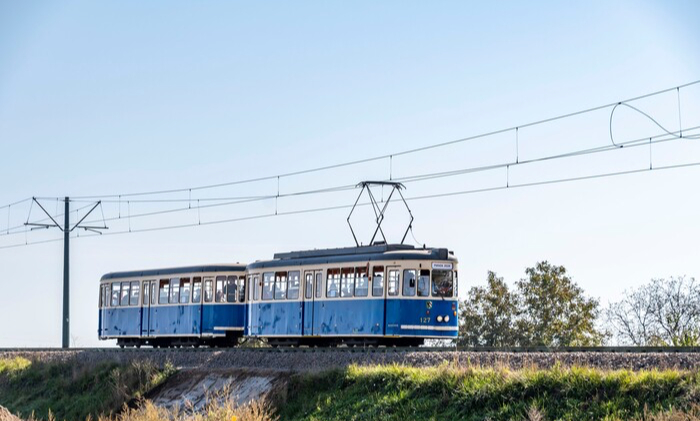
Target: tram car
[[184, 306], [394, 295]]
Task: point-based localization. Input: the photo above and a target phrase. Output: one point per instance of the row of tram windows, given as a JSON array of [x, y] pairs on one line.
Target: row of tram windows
[[220, 289], [355, 282]]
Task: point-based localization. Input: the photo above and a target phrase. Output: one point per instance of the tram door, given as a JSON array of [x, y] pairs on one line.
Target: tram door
[[146, 308], [312, 289], [392, 306]]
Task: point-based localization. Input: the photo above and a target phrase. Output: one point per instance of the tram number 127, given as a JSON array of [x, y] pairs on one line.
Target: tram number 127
[[425, 320]]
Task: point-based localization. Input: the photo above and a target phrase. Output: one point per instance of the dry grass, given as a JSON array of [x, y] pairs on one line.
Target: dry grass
[[217, 411]]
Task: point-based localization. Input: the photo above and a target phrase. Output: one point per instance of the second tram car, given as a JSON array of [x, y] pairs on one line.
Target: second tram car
[[195, 305]]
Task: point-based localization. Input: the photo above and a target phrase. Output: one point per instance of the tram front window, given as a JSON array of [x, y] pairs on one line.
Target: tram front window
[[443, 284]]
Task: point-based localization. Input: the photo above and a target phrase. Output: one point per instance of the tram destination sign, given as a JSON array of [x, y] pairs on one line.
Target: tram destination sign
[[443, 266]]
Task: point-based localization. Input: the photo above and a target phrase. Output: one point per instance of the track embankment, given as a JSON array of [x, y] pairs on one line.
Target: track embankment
[[308, 360]]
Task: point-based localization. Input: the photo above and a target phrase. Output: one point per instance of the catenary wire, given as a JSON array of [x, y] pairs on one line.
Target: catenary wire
[[338, 207], [391, 155]]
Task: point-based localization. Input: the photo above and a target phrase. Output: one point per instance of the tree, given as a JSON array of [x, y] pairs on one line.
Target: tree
[[488, 315], [554, 310], [663, 312], [547, 309]]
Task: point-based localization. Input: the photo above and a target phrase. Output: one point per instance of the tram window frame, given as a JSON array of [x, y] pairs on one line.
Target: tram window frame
[[174, 290], [378, 288], [257, 290], [281, 285], [116, 293], [197, 288], [423, 277], [185, 286], [102, 293], [318, 279], [146, 292], [308, 285], [154, 292], [347, 282], [434, 289], [124, 300], [163, 291], [105, 295], [333, 280], [220, 289], [293, 284], [408, 290], [393, 282], [241, 289], [231, 281], [268, 286], [361, 281], [455, 281], [209, 290], [135, 297]]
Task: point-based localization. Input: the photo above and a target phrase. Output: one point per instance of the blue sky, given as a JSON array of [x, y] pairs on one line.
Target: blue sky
[[100, 98]]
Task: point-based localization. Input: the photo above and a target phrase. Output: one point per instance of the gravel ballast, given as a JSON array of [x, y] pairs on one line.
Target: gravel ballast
[[317, 360]]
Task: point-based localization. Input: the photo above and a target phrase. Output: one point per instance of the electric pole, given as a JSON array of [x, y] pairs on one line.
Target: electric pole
[[67, 229]]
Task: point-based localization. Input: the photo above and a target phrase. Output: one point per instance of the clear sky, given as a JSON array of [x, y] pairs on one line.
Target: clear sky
[[117, 97]]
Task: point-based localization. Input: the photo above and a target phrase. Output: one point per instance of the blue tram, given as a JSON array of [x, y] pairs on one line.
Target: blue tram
[[192, 306], [371, 295]]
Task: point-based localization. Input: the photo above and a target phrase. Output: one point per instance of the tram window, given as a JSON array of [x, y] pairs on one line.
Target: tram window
[[309, 285], [347, 282], [220, 289], [424, 283], [268, 285], [197, 289], [153, 292], [332, 283], [125, 294], [378, 281], [102, 296], [256, 287], [208, 291], [409, 283], [241, 289], [293, 292], [135, 293], [116, 288], [174, 290], [319, 281], [393, 287], [185, 291], [442, 283], [146, 292], [232, 289], [164, 291], [280, 285], [361, 282]]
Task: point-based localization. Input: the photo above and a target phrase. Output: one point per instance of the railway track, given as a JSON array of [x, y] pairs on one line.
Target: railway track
[[516, 350]]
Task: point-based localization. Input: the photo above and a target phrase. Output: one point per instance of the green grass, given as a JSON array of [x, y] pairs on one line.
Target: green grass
[[72, 390], [445, 393]]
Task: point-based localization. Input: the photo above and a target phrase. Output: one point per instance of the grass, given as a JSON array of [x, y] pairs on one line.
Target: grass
[[393, 392], [405, 393], [71, 390]]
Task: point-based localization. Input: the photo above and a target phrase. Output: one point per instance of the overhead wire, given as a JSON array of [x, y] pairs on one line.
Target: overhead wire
[[407, 179], [388, 156], [338, 207]]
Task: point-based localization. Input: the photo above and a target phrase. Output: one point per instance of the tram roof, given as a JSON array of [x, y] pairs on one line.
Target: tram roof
[[175, 270], [352, 254]]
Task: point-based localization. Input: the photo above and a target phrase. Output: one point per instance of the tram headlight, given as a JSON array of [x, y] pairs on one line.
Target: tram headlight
[[447, 319], [439, 319]]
